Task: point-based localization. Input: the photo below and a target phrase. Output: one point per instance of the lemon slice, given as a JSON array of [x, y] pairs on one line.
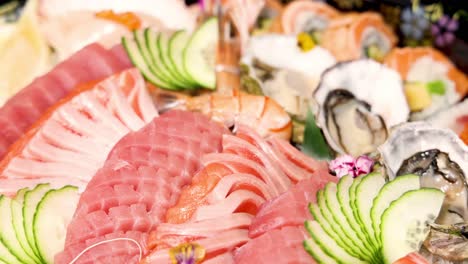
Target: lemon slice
[[24, 55]]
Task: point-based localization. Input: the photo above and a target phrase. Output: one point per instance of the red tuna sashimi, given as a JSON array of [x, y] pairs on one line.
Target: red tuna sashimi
[[275, 162], [73, 138], [280, 246], [290, 208], [91, 63], [142, 177], [228, 192]]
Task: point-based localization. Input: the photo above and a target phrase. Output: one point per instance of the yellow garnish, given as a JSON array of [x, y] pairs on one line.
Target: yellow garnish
[[128, 19], [187, 253], [305, 41], [418, 96]]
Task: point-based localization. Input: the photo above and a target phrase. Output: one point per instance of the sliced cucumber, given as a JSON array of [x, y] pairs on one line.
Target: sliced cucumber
[[31, 200], [366, 191], [317, 253], [389, 193], [138, 60], [17, 219], [6, 256], [340, 219], [329, 245], [148, 44], [53, 214], [405, 223], [200, 54], [177, 44], [163, 48], [343, 242], [7, 231]]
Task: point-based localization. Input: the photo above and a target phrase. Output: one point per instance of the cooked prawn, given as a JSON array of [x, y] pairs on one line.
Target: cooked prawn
[[262, 113]]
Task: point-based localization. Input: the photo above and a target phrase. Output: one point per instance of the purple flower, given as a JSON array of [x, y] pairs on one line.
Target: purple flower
[[347, 165], [444, 30], [414, 23], [187, 253]]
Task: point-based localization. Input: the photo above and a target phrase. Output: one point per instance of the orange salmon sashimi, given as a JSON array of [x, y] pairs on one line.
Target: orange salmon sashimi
[[226, 194], [73, 138], [404, 59], [355, 36], [307, 16]]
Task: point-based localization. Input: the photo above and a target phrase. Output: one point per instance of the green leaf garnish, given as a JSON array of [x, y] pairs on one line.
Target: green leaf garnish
[[314, 144], [436, 87]]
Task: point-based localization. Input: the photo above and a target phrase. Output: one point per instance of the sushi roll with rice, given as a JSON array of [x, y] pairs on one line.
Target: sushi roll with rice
[[284, 71], [432, 82], [455, 118], [354, 36], [358, 102], [307, 16]]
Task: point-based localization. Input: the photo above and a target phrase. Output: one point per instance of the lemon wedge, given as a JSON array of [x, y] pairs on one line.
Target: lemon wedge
[[24, 55]]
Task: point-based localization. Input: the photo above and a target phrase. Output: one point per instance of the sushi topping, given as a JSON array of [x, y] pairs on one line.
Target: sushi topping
[[187, 253], [305, 42], [128, 19], [352, 124], [419, 94], [347, 165]]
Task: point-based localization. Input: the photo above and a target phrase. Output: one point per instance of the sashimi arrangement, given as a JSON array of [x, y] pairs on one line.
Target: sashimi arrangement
[[228, 132]]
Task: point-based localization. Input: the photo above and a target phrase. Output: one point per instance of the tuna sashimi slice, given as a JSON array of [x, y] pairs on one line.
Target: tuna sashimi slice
[[122, 197], [281, 246], [73, 138], [290, 208], [91, 63]]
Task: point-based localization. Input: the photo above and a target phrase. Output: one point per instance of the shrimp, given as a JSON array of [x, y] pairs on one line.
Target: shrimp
[[261, 113]]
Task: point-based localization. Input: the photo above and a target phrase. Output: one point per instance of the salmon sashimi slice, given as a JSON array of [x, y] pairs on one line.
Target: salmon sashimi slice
[[22, 110], [351, 36], [233, 185], [73, 138], [402, 60], [281, 246], [141, 178], [298, 16]]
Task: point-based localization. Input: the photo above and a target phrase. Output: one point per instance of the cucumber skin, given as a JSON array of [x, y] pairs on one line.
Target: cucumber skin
[[182, 71]]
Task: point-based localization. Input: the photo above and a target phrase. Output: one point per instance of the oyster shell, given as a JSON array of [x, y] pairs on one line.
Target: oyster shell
[[441, 159], [357, 102]]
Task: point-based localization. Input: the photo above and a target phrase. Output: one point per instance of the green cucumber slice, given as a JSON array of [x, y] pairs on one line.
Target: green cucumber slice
[[148, 40], [317, 253], [53, 214], [139, 61], [17, 219], [337, 233], [176, 49], [200, 54], [7, 231], [163, 48], [6, 256], [366, 191], [31, 200], [404, 223], [329, 245], [389, 193], [340, 219]]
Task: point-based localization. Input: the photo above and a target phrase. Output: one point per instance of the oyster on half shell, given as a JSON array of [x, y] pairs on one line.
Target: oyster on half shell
[[357, 103], [440, 158]]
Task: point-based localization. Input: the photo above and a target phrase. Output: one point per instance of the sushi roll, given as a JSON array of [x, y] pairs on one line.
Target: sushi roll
[[454, 118], [285, 72], [307, 16], [358, 102], [355, 36], [432, 82]]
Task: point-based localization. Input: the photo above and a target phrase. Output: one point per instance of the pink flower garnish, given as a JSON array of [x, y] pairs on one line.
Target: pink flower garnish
[[347, 165]]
